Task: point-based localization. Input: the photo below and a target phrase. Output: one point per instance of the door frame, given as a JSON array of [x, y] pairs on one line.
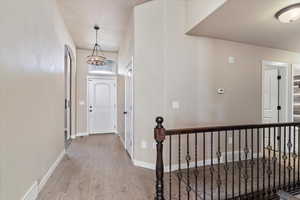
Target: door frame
[[101, 77], [130, 67], [287, 99], [68, 75]]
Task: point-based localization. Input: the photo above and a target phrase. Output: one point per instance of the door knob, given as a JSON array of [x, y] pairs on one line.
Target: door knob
[[125, 113], [91, 110]]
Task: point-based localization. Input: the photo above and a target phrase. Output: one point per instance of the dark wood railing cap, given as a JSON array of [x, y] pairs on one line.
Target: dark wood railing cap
[[159, 131]]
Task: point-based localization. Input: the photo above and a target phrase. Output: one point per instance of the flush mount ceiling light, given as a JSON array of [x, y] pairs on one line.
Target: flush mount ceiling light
[[97, 57], [289, 14]]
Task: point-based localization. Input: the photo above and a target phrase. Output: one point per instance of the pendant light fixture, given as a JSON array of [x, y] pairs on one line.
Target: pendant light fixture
[[97, 57], [289, 14]]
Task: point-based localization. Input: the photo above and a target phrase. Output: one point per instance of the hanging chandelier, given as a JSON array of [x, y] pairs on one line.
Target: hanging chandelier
[[97, 57]]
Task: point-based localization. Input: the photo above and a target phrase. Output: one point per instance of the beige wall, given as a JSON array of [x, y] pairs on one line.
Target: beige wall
[[199, 10], [31, 91], [82, 73], [127, 47], [171, 66]]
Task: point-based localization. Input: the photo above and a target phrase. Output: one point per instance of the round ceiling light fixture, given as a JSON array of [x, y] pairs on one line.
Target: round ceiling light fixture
[[97, 57], [289, 14]]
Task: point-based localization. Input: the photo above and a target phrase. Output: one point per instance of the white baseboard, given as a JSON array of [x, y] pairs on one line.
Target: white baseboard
[[32, 193], [122, 141], [73, 137], [144, 164], [175, 167], [51, 170], [82, 134]]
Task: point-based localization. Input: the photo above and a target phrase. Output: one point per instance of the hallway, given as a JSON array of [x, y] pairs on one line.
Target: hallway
[[96, 168]]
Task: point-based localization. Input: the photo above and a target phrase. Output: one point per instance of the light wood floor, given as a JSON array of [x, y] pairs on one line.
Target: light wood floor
[[98, 168]]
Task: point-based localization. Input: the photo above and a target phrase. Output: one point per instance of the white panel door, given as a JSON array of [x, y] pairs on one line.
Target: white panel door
[[102, 106], [129, 114], [270, 92]]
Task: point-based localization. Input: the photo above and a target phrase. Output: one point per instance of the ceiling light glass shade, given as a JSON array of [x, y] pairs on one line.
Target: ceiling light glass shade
[[289, 14], [96, 58]]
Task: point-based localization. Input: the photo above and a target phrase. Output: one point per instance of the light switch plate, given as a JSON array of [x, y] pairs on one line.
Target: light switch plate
[[144, 145], [231, 59], [175, 105]]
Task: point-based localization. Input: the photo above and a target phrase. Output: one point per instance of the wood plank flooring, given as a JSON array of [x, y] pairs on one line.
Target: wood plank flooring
[[97, 168]]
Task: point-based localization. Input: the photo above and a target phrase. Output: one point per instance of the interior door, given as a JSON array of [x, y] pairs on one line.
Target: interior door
[[271, 102], [129, 113], [68, 97], [271, 95], [102, 106]]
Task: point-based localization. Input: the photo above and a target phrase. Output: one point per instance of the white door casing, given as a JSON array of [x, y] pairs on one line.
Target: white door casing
[[101, 105], [270, 93], [129, 113]]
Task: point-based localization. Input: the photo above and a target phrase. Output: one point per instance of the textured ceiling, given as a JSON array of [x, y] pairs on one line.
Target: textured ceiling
[[252, 22], [111, 15]]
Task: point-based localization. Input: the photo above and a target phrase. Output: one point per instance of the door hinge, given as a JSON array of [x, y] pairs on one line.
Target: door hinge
[[66, 104], [278, 107], [278, 77]]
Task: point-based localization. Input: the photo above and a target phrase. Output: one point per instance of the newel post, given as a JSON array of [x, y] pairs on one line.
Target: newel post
[[159, 136]]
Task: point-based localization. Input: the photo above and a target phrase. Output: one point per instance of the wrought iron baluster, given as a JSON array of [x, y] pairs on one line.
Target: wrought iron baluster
[[279, 156], [284, 157], [257, 159], [226, 166], [211, 165], [264, 162], [233, 163], [252, 166], [269, 170], [274, 160], [240, 163], [298, 157], [246, 151], [179, 166], [294, 157], [289, 145], [219, 158], [170, 167], [196, 166], [188, 159], [204, 177]]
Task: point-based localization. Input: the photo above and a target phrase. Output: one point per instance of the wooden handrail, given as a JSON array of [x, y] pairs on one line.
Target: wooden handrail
[[227, 128]]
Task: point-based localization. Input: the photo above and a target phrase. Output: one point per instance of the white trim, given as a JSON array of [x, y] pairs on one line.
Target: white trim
[[36, 188], [122, 141], [143, 164], [82, 134], [288, 105], [107, 77], [128, 68], [32, 193], [51, 170]]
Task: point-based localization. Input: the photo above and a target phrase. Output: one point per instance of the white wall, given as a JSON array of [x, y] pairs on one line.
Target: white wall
[[82, 73], [32, 42], [171, 66]]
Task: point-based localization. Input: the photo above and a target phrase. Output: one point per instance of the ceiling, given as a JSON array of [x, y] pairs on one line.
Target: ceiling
[[112, 16], [252, 22]]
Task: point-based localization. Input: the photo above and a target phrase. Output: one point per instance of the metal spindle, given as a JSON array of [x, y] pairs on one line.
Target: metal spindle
[[279, 150], [252, 164], [233, 159], [257, 159], [188, 159], [204, 179], [289, 145], [170, 168], [211, 164], [284, 159], [274, 160], [269, 163], [264, 162], [179, 166], [226, 166], [294, 157], [246, 151], [219, 157], [196, 165], [240, 163]]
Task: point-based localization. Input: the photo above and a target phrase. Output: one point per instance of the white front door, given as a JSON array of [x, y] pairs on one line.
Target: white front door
[[102, 106], [271, 95], [129, 113]]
